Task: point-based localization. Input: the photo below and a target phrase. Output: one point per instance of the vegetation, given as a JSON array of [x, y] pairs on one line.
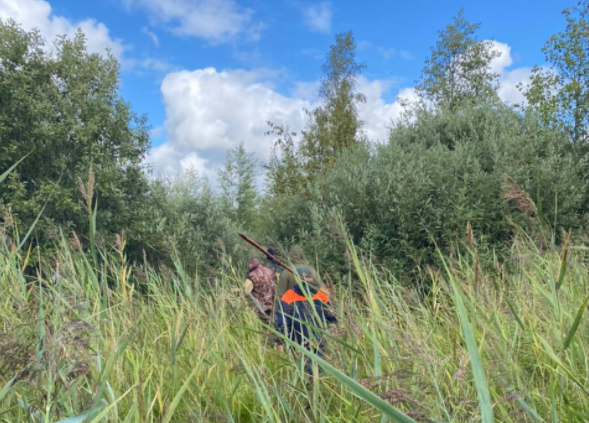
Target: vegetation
[[64, 113], [561, 93], [456, 251], [458, 72], [79, 340]]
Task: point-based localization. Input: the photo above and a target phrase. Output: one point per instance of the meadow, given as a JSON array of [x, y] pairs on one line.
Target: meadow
[[91, 338], [455, 250]]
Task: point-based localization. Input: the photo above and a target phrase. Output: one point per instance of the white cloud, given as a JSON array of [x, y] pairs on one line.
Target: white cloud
[[387, 53], [308, 91], [168, 161], [38, 14], [363, 45], [392, 53], [509, 79], [209, 112], [405, 55], [157, 132], [213, 20], [149, 64], [376, 113], [503, 60], [508, 88], [318, 17], [152, 35]]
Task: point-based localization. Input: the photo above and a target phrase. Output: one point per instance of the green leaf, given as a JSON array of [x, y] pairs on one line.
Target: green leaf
[[563, 261], [531, 411], [6, 388], [32, 227], [353, 386], [10, 169], [179, 394], [76, 419], [575, 326], [104, 412], [514, 312], [478, 371]]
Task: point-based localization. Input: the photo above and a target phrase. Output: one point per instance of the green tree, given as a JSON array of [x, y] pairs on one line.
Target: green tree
[[335, 125], [190, 223], [457, 72], [238, 185], [284, 171], [561, 93], [63, 111]]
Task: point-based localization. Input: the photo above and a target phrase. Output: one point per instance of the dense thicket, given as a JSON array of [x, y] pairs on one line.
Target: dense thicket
[[62, 111], [459, 163], [438, 174]]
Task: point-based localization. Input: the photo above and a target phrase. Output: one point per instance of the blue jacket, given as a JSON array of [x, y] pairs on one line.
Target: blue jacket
[[295, 315]]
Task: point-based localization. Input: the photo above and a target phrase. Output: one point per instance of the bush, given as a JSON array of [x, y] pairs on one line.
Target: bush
[[438, 173]]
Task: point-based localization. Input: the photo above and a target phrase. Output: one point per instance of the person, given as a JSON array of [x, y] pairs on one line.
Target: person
[[303, 312], [287, 280], [261, 285], [271, 263]]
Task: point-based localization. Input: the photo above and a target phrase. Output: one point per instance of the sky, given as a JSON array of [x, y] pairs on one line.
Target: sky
[[210, 74]]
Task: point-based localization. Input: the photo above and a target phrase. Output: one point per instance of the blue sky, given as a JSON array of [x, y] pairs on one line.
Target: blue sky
[[210, 73]]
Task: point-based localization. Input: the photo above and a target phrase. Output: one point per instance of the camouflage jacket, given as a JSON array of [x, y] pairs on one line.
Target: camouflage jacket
[[264, 286]]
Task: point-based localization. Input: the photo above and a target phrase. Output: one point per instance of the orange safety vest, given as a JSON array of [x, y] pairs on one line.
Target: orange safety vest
[[290, 296]]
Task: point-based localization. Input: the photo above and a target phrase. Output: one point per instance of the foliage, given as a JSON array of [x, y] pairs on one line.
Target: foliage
[[284, 170], [457, 73], [62, 111], [439, 173], [469, 199], [561, 93], [71, 345], [334, 126], [190, 224], [238, 186]]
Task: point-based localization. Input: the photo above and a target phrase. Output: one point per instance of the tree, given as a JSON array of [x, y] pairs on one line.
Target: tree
[[284, 171], [238, 184], [458, 72], [561, 94], [63, 112], [335, 125]]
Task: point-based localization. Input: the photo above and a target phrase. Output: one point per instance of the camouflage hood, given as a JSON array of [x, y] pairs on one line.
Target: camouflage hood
[[297, 255]]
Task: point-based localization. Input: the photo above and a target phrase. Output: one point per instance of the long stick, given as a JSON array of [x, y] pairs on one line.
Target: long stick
[[259, 247]]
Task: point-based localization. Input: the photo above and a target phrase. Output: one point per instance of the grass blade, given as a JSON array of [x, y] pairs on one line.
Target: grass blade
[[28, 234], [10, 169], [563, 261], [514, 312], [478, 371], [6, 388], [353, 386], [104, 412], [575, 326], [531, 411], [76, 419], [179, 395]]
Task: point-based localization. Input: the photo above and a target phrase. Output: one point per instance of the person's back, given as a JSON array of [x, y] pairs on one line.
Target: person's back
[[301, 313], [288, 280], [261, 284]]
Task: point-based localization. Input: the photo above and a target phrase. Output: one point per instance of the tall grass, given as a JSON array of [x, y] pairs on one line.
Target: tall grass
[[97, 340]]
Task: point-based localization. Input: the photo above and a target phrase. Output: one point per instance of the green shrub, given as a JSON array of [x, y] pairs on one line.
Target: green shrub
[[437, 174]]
